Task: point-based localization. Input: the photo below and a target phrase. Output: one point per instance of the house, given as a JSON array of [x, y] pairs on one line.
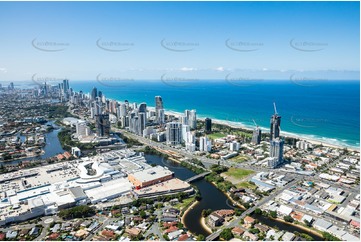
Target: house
[[171, 229], [2, 236], [215, 220], [108, 233], [175, 234], [288, 236], [134, 232], [248, 220], [33, 231], [81, 233], [308, 218], [23, 232], [237, 231], [284, 210], [53, 236], [11, 234], [183, 237], [355, 223], [224, 212], [321, 224], [261, 227], [249, 236], [55, 228], [169, 224]]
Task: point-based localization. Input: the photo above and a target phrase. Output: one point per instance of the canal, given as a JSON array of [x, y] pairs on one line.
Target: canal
[[52, 146], [213, 199]]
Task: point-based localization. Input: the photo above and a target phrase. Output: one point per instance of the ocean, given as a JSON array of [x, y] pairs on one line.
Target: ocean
[[327, 111]]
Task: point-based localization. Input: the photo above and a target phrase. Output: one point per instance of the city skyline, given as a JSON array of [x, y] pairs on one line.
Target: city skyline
[[261, 40]]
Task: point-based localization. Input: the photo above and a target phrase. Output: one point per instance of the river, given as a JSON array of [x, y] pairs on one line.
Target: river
[[213, 199]]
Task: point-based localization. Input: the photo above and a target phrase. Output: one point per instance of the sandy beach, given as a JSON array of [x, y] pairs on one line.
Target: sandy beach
[[188, 209], [204, 225], [285, 134]]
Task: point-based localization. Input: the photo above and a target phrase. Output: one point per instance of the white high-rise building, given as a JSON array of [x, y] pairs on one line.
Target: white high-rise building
[[276, 153], [205, 144], [234, 146], [82, 129], [303, 145], [161, 116], [184, 120], [191, 118], [185, 130]]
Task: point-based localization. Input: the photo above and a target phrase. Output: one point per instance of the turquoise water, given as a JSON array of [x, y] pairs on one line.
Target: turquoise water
[[328, 111]]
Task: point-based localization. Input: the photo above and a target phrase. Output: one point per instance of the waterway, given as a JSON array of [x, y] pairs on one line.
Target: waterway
[[51, 148], [283, 226], [213, 199]]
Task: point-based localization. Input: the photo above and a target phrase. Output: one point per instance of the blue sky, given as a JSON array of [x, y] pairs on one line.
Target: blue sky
[[203, 40]]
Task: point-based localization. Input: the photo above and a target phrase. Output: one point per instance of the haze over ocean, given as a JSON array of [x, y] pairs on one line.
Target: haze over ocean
[[328, 111]]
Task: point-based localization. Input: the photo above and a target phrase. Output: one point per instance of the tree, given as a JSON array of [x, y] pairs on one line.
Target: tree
[[206, 212], [237, 211], [226, 234], [142, 214], [329, 237], [201, 237], [288, 218], [307, 223], [273, 214], [258, 211]]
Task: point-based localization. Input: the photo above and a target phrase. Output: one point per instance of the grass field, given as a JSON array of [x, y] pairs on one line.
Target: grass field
[[239, 158], [238, 173], [185, 203], [245, 185], [216, 135]]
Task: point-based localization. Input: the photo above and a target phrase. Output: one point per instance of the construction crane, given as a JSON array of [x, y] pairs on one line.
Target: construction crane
[[274, 106], [255, 123]]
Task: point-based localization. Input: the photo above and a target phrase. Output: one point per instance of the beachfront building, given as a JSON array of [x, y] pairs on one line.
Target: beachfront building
[[256, 137], [275, 126], [191, 118], [208, 125], [276, 153], [159, 110]]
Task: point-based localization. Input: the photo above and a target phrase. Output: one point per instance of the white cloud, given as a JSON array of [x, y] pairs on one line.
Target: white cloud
[[188, 69], [221, 68], [3, 70]]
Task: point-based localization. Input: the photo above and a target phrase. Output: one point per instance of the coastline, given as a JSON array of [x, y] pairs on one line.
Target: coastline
[[239, 125]]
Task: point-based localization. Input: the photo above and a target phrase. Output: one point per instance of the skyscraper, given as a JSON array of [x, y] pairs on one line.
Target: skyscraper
[[65, 85], [159, 110], [94, 93], [275, 124], [208, 125], [276, 153], [205, 144], [174, 133], [256, 137], [192, 118], [103, 125]]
